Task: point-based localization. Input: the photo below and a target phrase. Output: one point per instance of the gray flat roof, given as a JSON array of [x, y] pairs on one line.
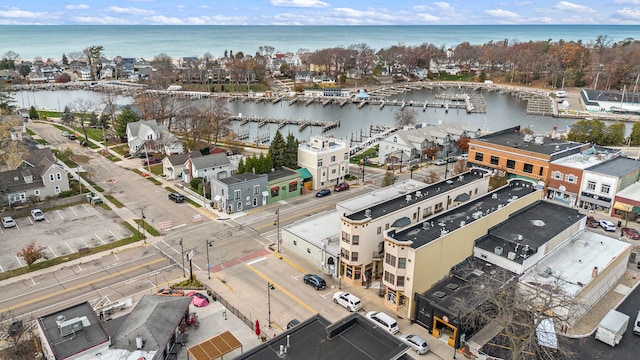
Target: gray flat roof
[[427, 231], [399, 199], [240, 178], [280, 173], [353, 337], [319, 229], [533, 225], [513, 138], [92, 333], [618, 167]]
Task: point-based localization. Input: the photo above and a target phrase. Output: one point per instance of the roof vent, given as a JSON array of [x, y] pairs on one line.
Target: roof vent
[[418, 194], [408, 197], [519, 237], [511, 255], [498, 250], [452, 286], [547, 272], [439, 294], [425, 225], [462, 223], [367, 213]]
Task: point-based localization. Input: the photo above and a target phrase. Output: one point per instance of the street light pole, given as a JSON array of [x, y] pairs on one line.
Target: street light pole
[[340, 270], [277, 223], [182, 253], [269, 288], [209, 243], [144, 236]]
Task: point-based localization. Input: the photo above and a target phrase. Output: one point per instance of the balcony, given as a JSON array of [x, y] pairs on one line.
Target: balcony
[[377, 255]]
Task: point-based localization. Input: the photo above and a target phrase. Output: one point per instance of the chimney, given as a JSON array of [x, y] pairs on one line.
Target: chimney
[[594, 272]]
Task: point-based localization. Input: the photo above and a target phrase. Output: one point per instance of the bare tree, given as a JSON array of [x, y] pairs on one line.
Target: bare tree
[[405, 117], [93, 54], [218, 115], [432, 177], [19, 336], [82, 108], [11, 151]]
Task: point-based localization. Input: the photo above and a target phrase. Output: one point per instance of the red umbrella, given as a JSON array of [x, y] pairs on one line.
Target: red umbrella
[[257, 328]]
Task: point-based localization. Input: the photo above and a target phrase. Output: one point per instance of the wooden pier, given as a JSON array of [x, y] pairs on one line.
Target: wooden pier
[[301, 124]]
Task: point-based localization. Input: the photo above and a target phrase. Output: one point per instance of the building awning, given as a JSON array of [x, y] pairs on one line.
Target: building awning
[[462, 197], [215, 347], [304, 173], [265, 193], [626, 207]]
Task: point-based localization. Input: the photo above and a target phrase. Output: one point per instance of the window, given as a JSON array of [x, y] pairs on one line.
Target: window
[[319, 162], [256, 189], [511, 164], [556, 175], [333, 171], [395, 139], [56, 190], [402, 263], [591, 185], [605, 188], [346, 237], [293, 186], [389, 277], [427, 211], [379, 231], [36, 192], [541, 171], [400, 281], [495, 160], [438, 207], [528, 168], [333, 158], [346, 156], [390, 259], [255, 201], [572, 179], [275, 191], [356, 240], [354, 256], [479, 156], [236, 194], [58, 176], [386, 226], [51, 178]]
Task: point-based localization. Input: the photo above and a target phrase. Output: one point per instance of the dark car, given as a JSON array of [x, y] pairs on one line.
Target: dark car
[[592, 222], [316, 281], [292, 323], [631, 233], [323, 192], [176, 197], [72, 137], [341, 187], [151, 161]]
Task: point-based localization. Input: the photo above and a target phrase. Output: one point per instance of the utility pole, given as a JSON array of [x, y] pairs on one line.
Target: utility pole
[[209, 243], [269, 288], [277, 223], [182, 254], [144, 236]]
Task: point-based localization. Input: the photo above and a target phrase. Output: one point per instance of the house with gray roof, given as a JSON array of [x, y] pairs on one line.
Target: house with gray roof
[[212, 166], [149, 136], [601, 182], [173, 165], [239, 192]]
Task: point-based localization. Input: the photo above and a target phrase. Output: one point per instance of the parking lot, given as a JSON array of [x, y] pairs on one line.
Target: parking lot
[[62, 232]]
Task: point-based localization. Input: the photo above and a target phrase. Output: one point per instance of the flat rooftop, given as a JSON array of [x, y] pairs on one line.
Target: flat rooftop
[[631, 192], [238, 178], [543, 145], [395, 198], [532, 226], [574, 262], [321, 230], [617, 167], [353, 337], [89, 335], [427, 231], [587, 159]]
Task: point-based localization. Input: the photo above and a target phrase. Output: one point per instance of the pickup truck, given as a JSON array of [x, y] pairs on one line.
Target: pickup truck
[[37, 214]]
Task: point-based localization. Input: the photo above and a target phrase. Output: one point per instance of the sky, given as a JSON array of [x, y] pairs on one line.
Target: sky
[[318, 12]]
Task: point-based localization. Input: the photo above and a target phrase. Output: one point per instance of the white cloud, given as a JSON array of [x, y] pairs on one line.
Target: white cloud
[[441, 5], [102, 20], [163, 20], [503, 14], [625, 2], [17, 13], [299, 3], [130, 11], [77, 6], [629, 14], [571, 7], [428, 17]]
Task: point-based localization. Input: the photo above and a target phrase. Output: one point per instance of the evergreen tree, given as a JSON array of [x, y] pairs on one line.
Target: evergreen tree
[[65, 61], [93, 119], [127, 116], [67, 116], [635, 134], [104, 121], [250, 166], [615, 134], [33, 113], [240, 166], [277, 150], [291, 152]]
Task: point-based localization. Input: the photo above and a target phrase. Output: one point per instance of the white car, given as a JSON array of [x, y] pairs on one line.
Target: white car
[[65, 134], [383, 320], [37, 214], [8, 222], [440, 162], [418, 344], [607, 225], [348, 300]]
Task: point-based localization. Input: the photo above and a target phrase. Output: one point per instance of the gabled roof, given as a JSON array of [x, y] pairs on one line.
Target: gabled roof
[[37, 157], [155, 319], [14, 180], [210, 161], [180, 159]]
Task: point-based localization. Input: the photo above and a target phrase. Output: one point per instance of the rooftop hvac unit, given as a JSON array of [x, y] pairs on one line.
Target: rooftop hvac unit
[[443, 232], [494, 196], [519, 237], [498, 250], [462, 223], [418, 194], [511, 255], [547, 272], [477, 215], [528, 138], [425, 225], [367, 213], [539, 140], [408, 197]]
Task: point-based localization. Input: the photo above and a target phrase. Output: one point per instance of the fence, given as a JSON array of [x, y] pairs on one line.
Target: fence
[[230, 307], [24, 210]]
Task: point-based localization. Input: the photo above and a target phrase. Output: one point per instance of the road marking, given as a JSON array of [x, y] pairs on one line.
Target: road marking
[[19, 263], [284, 291], [60, 214], [114, 254], [99, 238], [73, 211], [69, 246], [256, 260], [114, 235], [79, 286], [177, 227], [53, 252], [79, 268], [84, 242]]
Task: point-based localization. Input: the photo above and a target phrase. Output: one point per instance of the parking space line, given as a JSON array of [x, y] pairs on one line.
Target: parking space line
[[59, 214], [114, 235], [73, 211], [19, 262], [84, 242], [69, 246], [80, 269], [114, 254], [1, 268], [99, 238], [53, 252]]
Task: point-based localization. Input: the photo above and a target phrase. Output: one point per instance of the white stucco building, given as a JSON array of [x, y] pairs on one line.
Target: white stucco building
[[326, 158]]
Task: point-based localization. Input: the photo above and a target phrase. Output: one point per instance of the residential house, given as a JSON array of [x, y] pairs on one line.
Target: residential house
[[149, 136], [173, 166], [239, 192], [283, 184], [85, 74], [326, 158], [601, 182], [18, 129], [37, 177], [323, 79], [7, 75], [304, 77], [419, 72], [211, 166]]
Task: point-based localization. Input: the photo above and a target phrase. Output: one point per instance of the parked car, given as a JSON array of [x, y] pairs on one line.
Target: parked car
[[384, 320], [292, 323], [65, 134], [464, 157], [323, 192], [592, 222], [341, 187], [440, 162], [150, 161], [37, 214], [631, 233], [316, 281], [418, 344], [176, 197], [8, 222], [607, 225], [348, 300], [72, 137]]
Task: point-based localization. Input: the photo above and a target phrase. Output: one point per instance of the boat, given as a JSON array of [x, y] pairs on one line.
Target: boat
[[561, 94]]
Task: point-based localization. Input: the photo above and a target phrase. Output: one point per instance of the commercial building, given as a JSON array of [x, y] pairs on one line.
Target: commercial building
[[239, 192], [327, 159]]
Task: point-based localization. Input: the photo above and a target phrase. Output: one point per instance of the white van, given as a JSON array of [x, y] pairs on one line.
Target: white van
[[383, 320], [636, 325]]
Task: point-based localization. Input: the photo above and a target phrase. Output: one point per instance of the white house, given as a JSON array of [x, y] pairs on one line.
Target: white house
[[149, 136], [212, 166], [327, 159]]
